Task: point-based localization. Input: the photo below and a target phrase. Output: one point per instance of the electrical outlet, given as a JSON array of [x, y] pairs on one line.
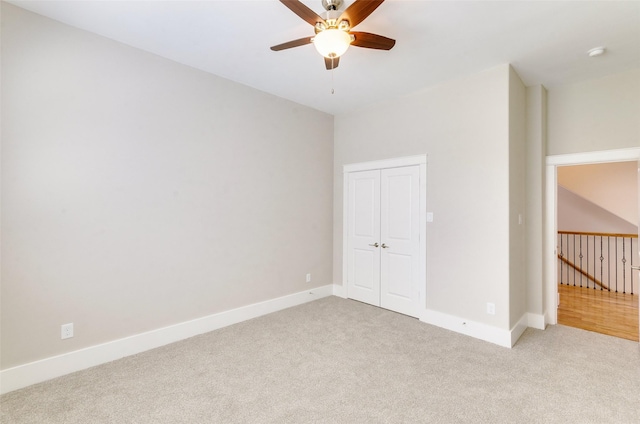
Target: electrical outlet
[[491, 308], [66, 331], [308, 278]]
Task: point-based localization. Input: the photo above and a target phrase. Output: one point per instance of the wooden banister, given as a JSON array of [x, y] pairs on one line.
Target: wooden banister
[[586, 233]]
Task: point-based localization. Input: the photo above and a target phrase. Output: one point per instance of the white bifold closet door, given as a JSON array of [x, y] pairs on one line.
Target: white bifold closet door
[[383, 232]]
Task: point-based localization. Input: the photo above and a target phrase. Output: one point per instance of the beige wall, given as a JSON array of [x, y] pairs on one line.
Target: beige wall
[[139, 193], [595, 115], [517, 197], [463, 127], [536, 142]]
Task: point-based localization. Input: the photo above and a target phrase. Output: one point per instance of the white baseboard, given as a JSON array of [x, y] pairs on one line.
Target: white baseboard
[[35, 372], [340, 291], [519, 328], [537, 321], [467, 327], [488, 333], [550, 318]]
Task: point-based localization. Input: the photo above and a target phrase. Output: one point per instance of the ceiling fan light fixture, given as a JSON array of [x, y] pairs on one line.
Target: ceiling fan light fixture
[[332, 29], [332, 42]]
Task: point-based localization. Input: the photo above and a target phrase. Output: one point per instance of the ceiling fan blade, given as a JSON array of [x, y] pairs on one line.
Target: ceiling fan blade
[[372, 41], [331, 63], [303, 11], [359, 10], [293, 43]]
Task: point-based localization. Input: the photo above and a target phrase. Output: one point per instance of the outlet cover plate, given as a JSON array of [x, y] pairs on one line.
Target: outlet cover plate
[[66, 331]]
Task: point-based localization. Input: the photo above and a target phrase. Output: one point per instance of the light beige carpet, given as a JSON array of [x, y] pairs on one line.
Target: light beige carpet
[[340, 361]]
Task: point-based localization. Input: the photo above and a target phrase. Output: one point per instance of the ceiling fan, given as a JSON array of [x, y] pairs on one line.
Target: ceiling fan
[[333, 32]]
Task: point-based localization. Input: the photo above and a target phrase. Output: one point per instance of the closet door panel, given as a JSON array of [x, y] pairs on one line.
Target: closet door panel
[[398, 272], [363, 272], [399, 236]]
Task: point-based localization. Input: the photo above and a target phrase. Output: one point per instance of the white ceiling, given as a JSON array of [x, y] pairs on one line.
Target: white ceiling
[[545, 41]]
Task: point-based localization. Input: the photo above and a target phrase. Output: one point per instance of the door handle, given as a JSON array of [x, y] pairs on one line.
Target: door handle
[[636, 267], [384, 246], [374, 244]]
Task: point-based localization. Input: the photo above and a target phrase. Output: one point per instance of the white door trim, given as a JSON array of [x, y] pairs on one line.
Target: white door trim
[[551, 218], [421, 161]]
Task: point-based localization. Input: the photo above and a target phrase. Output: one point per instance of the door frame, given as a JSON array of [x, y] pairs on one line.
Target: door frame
[[551, 215], [417, 160]]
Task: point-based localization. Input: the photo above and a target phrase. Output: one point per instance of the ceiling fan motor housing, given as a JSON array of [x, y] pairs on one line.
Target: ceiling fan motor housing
[[331, 4], [331, 21]]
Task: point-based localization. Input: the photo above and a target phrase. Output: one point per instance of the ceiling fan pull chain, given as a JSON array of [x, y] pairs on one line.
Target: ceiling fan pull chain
[[332, 91]]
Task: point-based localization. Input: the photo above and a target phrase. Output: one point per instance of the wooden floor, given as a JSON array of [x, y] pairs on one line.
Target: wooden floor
[[615, 314]]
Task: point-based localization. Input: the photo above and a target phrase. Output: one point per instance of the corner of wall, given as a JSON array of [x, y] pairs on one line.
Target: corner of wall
[[535, 189], [517, 197]]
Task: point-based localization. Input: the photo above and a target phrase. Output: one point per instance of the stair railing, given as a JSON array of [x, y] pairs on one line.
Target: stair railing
[[602, 261]]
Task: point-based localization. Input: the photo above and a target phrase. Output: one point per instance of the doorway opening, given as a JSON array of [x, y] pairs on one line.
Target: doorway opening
[[597, 244], [558, 244]]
